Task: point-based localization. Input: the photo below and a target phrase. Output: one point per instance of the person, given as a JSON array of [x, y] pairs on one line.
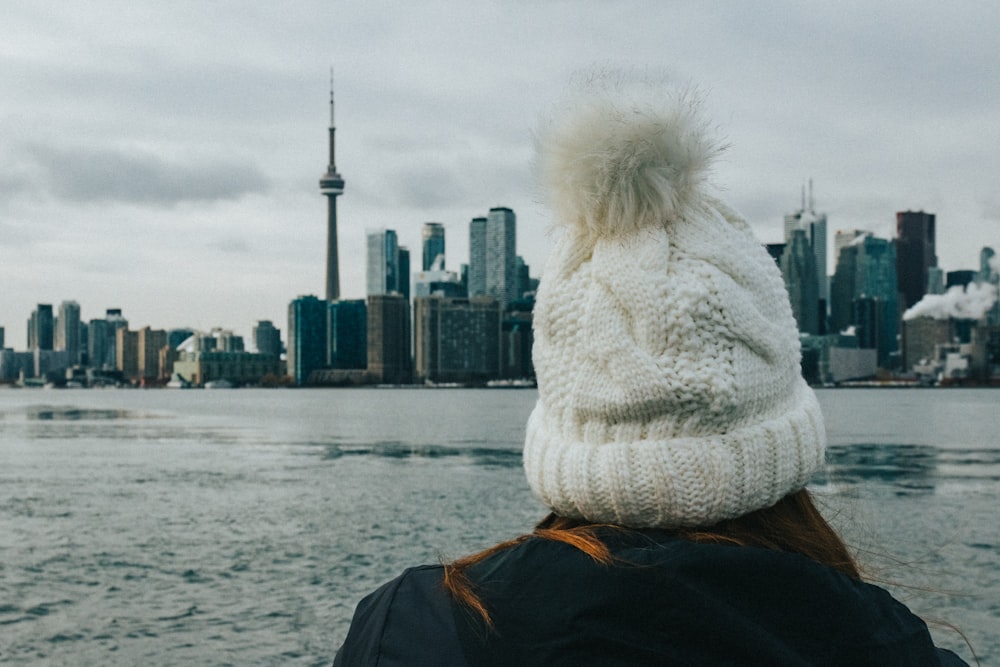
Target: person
[[672, 441]]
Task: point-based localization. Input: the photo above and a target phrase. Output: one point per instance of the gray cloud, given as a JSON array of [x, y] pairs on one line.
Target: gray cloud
[[92, 175]]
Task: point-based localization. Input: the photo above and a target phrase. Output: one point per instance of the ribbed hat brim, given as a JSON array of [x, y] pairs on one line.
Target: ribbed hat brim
[[683, 481]]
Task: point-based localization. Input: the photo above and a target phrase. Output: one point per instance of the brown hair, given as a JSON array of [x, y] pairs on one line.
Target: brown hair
[[793, 524]]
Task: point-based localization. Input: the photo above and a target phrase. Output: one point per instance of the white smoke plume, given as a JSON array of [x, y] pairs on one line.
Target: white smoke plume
[[970, 302]]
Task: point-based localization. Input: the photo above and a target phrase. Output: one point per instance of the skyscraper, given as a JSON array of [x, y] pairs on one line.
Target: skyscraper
[[501, 255], [41, 328], [915, 254], [477, 257], [307, 337], [331, 185], [433, 245], [876, 296], [67, 333], [383, 262], [814, 225], [798, 267]]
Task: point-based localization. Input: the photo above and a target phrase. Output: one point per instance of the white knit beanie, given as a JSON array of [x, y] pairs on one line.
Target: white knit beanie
[[667, 357]]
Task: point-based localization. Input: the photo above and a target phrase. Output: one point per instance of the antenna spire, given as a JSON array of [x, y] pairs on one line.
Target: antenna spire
[[331, 97], [812, 206]]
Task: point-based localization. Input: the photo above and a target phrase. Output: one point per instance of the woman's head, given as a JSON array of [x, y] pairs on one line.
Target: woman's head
[[667, 357]]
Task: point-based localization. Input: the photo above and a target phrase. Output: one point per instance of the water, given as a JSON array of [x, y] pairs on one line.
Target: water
[[241, 527]]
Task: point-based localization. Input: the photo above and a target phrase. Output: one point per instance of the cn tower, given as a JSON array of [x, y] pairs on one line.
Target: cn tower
[[331, 185]]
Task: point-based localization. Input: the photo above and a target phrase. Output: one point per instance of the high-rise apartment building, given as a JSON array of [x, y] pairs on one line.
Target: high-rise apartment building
[[477, 257], [331, 186], [915, 254], [67, 331], [307, 337], [149, 343], [348, 340], [457, 340], [389, 339], [383, 262], [501, 255], [267, 338], [1, 338], [433, 246], [127, 352], [41, 328]]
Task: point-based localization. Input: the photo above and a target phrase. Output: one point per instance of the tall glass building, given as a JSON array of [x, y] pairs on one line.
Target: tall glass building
[[433, 245], [383, 262], [307, 337]]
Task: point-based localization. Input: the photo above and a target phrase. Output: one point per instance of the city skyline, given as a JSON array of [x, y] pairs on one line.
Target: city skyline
[[163, 160]]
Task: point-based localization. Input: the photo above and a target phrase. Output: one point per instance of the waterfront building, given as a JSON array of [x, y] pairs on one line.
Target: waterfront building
[[267, 338], [67, 331], [852, 363], [307, 337], [100, 343], [476, 281], [149, 342], [15, 365], [388, 339], [915, 254], [331, 186], [798, 268], [920, 335], [348, 340], [238, 368], [383, 262], [127, 352], [516, 341], [167, 357], [457, 339], [41, 328], [433, 246]]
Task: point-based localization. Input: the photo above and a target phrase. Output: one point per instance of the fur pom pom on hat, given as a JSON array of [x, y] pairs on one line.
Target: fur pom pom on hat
[[667, 357]]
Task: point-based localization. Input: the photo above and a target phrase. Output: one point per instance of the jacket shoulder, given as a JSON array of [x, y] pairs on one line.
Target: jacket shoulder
[[407, 621]]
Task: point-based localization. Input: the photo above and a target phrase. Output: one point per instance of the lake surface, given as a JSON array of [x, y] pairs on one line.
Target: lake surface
[[242, 526]]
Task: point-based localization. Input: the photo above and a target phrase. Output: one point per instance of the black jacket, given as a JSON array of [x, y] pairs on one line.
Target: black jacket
[[664, 602]]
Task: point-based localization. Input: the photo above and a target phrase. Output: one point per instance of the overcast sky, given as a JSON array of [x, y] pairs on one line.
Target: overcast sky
[[163, 158]]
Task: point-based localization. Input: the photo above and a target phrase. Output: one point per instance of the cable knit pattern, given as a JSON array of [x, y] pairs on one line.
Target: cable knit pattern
[[667, 357]]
